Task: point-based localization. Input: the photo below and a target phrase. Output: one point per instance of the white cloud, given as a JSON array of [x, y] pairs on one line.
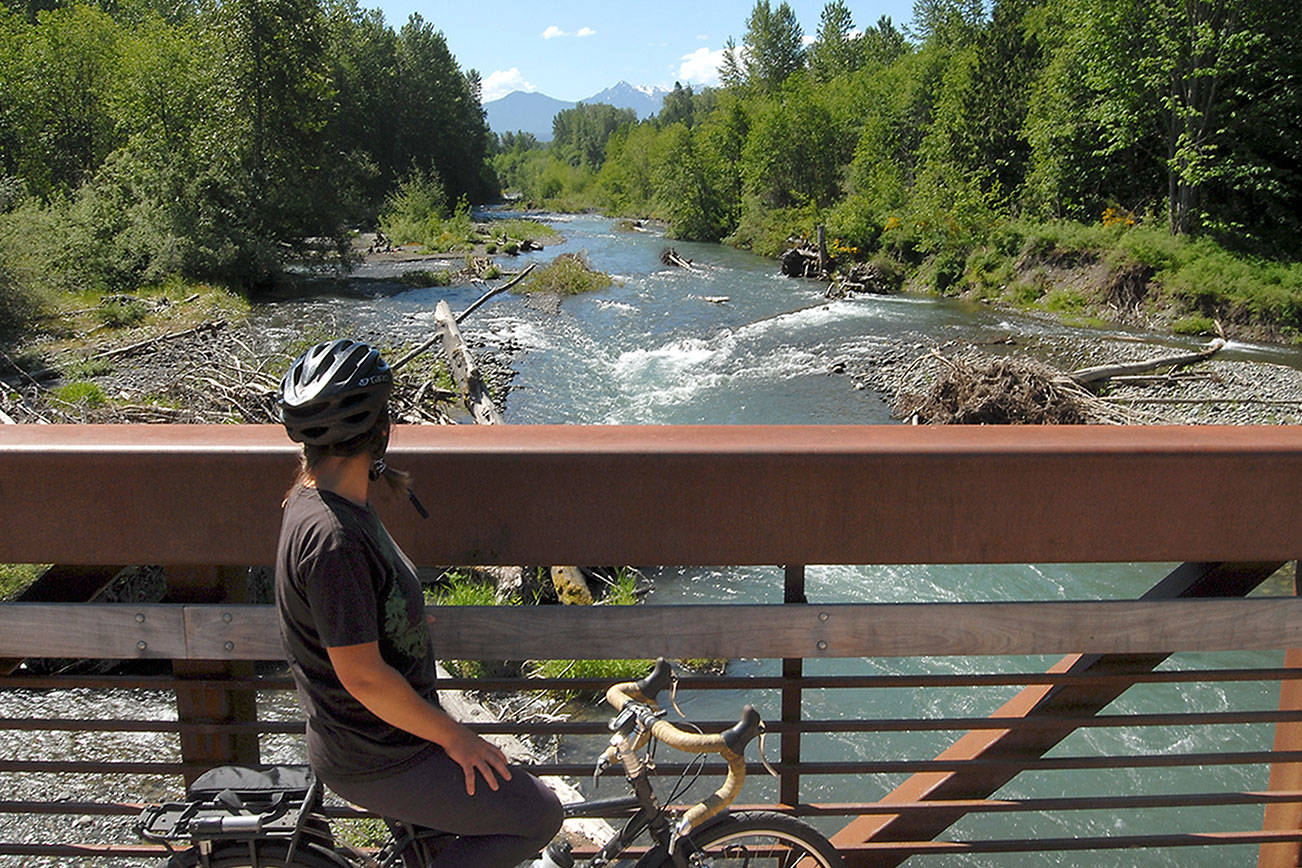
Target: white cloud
[[552, 32], [701, 66], [585, 31], [504, 81]]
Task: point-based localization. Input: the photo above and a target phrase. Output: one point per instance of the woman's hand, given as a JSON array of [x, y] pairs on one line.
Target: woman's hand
[[383, 690], [475, 754]]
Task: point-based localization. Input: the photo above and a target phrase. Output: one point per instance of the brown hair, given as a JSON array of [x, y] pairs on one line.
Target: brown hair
[[373, 442]]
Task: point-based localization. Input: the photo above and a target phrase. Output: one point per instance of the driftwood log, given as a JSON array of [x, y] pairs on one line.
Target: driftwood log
[[672, 257], [465, 313], [1099, 373], [464, 371], [154, 341]]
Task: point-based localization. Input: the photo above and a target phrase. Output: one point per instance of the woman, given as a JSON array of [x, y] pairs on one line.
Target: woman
[[352, 620]]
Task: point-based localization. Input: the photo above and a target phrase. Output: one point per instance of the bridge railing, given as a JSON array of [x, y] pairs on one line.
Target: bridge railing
[[1220, 502]]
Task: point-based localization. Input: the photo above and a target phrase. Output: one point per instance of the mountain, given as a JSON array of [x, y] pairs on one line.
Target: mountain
[[646, 101], [533, 112]]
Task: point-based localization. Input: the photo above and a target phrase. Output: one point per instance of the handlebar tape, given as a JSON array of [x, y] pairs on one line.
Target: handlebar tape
[[731, 744]]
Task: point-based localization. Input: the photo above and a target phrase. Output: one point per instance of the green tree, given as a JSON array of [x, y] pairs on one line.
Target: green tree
[[14, 34], [795, 148], [164, 87], [773, 45], [441, 122], [67, 75], [626, 178], [688, 198], [1174, 76], [948, 22], [362, 132], [730, 71], [835, 51], [580, 134], [678, 107], [883, 43], [980, 112]]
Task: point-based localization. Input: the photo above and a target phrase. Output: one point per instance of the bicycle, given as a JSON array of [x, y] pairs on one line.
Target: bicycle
[[237, 817]]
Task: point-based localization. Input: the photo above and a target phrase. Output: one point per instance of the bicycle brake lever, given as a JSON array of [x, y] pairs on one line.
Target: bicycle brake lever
[[603, 763]]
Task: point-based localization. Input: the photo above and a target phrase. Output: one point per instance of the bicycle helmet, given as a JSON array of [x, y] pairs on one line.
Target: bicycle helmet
[[333, 392]]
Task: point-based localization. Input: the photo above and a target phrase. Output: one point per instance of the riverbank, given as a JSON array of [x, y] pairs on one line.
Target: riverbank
[[1232, 389], [169, 356]]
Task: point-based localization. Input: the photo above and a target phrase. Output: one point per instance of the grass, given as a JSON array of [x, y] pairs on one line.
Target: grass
[[463, 589], [120, 312], [81, 392], [1194, 325], [14, 578], [71, 321]]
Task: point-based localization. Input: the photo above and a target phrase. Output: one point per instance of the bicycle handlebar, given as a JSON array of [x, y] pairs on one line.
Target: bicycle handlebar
[[730, 744]]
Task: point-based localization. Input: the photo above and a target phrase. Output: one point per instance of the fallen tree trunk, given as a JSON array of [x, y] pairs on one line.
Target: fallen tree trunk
[[465, 313], [464, 371], [1099, 373], [154, 341]]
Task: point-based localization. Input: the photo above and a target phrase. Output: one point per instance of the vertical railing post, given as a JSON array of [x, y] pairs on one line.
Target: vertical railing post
[[200, 706], [792, 697], [1285, 776]]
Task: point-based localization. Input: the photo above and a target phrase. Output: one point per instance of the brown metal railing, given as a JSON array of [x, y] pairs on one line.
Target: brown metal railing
[[805, 770], [1222, 500]]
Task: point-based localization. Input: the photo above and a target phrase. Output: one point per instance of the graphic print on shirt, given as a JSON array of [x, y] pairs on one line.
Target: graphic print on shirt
[[405, 636]]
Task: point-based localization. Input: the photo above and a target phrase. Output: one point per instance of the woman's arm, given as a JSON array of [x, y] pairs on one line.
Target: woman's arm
[[387, 695]]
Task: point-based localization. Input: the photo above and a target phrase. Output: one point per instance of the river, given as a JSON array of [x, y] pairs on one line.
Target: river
[[652, 349]]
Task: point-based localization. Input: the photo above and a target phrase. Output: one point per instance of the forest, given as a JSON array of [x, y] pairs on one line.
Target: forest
[[1161, 136], [146, 141], [967, 152]]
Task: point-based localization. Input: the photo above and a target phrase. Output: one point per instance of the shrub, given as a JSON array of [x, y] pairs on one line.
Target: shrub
[[424, 277], [419, 201], [568, 274], [530, 230], [1194, 325], [19, 305]]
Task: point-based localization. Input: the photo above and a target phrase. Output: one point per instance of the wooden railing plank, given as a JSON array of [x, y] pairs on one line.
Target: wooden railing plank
[[248, 632], [86, 630]]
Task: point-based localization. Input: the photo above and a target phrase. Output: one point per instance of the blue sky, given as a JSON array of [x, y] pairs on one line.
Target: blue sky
[[571, 49]]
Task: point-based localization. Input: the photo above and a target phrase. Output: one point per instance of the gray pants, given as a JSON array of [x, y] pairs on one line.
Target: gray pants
[[495, 828]]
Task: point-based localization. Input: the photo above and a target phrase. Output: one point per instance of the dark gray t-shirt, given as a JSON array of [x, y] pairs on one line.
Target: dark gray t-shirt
[[342, 580]]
